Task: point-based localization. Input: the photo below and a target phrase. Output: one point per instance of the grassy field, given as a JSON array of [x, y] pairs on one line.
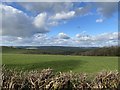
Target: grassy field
[[60, 62]]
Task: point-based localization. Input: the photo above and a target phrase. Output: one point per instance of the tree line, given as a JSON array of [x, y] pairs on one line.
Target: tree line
[[59, 50]]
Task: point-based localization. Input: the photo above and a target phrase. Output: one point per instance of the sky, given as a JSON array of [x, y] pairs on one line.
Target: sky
[[78, 24]]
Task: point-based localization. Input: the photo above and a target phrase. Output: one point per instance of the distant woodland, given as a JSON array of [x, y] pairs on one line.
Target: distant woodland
[[60, 50]]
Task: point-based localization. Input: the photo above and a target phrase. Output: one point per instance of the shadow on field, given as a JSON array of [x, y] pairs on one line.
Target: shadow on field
[[61, 65]]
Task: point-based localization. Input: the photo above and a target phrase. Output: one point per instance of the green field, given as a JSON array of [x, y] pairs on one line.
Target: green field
[[60, 62]]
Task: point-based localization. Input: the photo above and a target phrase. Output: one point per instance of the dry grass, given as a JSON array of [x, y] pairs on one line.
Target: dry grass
[[47, 80]]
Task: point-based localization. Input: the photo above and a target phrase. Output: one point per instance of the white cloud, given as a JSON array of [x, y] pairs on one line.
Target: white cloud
[[104, 39], [63, 36], [22, 29], [83, 37], [82, 11], [17, 23], [11, 40], [63, 15], [40, 20], [58, 10], [51, 7], [107, 9], [107, 36], [99, 20], [62, 10], [53, 23], [25, 26]]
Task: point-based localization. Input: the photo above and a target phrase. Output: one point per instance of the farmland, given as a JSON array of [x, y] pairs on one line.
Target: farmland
[[51, 72], [60, 62]]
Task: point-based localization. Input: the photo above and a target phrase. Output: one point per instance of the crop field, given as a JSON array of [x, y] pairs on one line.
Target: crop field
[[60, 62]]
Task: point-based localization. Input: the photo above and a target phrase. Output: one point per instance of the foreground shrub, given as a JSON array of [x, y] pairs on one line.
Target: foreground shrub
[[47, 80]]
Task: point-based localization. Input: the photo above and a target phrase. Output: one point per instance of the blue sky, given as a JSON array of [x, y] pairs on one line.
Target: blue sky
[[60, 24], [88, 24]]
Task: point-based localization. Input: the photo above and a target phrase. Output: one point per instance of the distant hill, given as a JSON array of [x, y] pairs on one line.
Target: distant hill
[[61, 50], [44, 49], [104, 51]]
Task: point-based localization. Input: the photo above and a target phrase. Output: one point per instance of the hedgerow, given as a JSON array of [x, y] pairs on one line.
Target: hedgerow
[[46, 79]]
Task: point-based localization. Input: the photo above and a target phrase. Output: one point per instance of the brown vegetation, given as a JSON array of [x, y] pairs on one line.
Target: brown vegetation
[[47, 80]]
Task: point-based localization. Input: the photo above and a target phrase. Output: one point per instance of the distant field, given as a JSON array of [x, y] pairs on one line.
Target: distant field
[[60, 62]]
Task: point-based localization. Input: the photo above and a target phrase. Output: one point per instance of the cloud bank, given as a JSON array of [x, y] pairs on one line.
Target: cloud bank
[[21, 28], [62, 39]]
